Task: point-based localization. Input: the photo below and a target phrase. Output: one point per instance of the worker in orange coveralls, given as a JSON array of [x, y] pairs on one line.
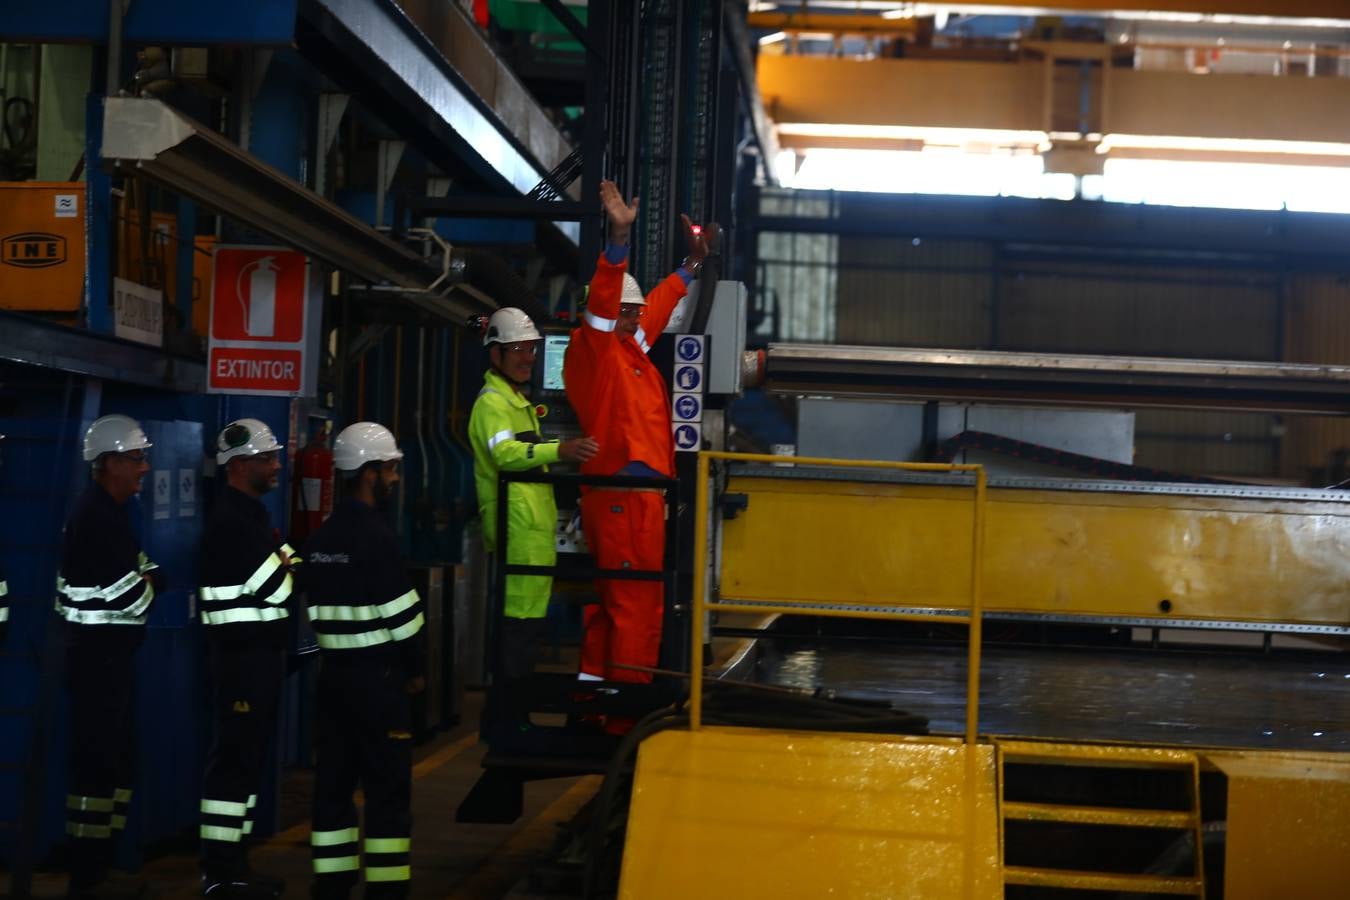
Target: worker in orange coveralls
[[621, 399]]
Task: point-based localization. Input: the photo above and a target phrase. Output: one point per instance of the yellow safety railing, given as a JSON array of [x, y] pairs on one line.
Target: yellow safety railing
[[702, 604]]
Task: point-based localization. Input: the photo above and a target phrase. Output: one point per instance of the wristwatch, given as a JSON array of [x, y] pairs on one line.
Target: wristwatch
[[693, 268]]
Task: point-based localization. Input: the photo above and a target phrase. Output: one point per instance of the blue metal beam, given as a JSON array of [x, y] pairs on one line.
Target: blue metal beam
[[30, 340], [173, 22], [370, 47], [1218, 238]]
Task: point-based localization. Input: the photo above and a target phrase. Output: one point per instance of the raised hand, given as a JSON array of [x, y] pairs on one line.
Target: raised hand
[[621, 214], [700, 245]]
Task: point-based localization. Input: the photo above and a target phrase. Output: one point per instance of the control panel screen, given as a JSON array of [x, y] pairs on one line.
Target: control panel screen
[[555, 345]]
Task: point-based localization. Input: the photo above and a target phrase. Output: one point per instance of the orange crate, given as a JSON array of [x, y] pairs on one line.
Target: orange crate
[[42, 245]]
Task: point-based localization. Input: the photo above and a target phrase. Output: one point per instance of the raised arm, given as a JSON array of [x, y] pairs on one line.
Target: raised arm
[[663, 299], [602, 303]]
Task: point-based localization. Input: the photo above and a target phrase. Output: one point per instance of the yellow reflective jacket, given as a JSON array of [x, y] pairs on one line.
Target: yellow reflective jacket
[[504, 432]]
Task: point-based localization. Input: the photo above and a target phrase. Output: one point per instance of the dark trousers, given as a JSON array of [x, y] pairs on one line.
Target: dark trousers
[[363, 739], [101, 678], [520, 642], [507, 714], [246, 692]]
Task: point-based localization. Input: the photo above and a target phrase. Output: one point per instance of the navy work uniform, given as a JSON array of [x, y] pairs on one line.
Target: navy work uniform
[[4, 608], [368, 620], [246, 583], [103, 595]]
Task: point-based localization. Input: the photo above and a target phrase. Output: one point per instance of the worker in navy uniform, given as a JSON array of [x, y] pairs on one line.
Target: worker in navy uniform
[[4, 601], [246, 583], [368, 621], [103, 592]]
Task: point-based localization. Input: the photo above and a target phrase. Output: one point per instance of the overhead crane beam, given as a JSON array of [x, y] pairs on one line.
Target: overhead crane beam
[[828, 23], [854, 102], [1284, 9]]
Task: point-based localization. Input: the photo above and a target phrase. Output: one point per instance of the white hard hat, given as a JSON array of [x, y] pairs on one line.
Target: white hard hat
[[244, 437], [362, 443], [509, 325], [632, 293], [114, 434]]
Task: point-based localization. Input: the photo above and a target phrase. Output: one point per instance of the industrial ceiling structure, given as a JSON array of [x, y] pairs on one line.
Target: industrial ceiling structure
[[1078, 84]]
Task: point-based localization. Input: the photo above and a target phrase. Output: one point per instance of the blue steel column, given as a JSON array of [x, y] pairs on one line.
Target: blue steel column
[[98, 209], [275, 132], [184, 260]]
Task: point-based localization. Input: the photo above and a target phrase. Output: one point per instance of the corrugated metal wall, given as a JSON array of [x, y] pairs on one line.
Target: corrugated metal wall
[[904, 291], [915, 293], [1227, 445], [1137, 311], [1317, 330], [961, 294]]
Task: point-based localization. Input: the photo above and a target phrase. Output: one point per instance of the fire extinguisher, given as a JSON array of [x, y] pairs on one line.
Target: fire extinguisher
[[312, 491]]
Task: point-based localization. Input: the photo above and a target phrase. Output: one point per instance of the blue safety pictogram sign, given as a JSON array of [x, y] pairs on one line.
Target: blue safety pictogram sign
[[689, 349], [688, 436], [687, 408], [689, 377]]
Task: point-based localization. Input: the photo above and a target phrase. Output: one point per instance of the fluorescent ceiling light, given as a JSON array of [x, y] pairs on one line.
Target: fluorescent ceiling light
[[1226, 19], [877, 6], [996, 137], [1066, 8], [1221, 145], [949, 136]]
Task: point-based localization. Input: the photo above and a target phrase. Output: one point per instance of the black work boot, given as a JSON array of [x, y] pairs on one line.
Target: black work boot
[[245, 886], [107, 886]]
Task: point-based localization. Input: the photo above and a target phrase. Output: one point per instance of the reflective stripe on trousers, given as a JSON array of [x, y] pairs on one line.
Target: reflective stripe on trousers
[[336, 851], [227, 821], [97, 817]]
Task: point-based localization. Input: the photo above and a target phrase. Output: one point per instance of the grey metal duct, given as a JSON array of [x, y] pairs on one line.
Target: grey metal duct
[[493, 276], [162, 144]]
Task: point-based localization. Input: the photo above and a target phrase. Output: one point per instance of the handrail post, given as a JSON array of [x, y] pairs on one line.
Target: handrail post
[[975, 634], [975, 622], [700, 584]]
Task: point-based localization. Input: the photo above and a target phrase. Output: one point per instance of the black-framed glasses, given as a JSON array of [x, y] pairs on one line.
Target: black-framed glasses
[[137, 456]]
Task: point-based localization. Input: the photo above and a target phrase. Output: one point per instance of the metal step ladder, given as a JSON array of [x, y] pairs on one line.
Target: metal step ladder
[[1078, 817]]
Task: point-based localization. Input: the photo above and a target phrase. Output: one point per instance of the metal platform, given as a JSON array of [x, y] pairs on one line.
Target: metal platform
[[1094, 694]]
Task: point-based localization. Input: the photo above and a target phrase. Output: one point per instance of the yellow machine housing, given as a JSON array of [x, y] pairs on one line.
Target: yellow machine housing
[[1169, 554], [738, 812]]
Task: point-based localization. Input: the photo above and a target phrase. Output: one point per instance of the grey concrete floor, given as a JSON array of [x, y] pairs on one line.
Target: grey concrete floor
[[450, 860]]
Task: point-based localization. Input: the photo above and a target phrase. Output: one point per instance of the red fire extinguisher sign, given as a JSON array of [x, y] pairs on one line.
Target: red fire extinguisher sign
[[257, 338]]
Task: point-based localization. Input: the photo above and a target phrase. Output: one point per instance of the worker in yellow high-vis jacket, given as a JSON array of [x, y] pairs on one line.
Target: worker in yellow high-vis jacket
[[504, 432]]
